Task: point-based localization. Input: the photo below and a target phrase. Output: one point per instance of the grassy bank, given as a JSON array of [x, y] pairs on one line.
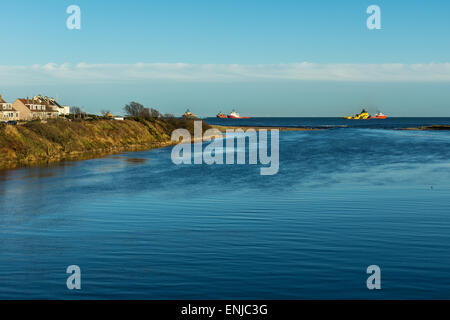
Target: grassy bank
[[36, 142]]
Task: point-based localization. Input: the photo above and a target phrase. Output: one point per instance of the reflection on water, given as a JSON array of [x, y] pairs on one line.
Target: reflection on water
[[141, 227], [135, 160], [42, 171]]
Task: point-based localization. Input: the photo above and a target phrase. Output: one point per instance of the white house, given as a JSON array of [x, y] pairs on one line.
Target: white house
[[62, 110]]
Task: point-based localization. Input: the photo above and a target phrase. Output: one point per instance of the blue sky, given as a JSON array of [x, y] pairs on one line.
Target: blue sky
[[216, 38]]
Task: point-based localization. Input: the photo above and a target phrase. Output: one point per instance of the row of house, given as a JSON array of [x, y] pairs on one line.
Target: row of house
[[31, 109]]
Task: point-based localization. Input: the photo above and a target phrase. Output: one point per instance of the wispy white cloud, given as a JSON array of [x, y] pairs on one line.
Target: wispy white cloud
[[103, 73]]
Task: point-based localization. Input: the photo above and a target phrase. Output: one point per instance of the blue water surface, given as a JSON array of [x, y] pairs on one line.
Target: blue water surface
[[141, 227]]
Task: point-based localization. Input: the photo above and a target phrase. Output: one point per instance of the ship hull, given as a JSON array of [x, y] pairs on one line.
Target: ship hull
[[379, 117], [234, 117]]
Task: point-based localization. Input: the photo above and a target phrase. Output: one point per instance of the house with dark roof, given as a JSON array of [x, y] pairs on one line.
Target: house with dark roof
[[36, 108]]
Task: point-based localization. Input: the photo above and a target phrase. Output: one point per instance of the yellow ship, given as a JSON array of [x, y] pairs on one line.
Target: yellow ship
[[189, 115], [360, 116]]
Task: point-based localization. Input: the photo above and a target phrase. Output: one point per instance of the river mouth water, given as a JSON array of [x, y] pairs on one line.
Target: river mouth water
[[141, 227]]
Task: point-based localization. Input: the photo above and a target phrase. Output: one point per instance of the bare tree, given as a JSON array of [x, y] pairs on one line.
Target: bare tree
[[135, 109], [154, 113], [105, 112], [76, 110]]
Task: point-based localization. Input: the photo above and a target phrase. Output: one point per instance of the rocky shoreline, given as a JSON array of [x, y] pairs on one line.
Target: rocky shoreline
[[257, 128], [432, 127]]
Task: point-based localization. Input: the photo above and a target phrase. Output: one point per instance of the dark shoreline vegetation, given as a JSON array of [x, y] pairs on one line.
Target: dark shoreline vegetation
[[38, 143]]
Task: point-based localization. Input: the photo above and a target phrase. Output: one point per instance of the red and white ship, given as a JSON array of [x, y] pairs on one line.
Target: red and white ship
[[379, 115], [235, 115]]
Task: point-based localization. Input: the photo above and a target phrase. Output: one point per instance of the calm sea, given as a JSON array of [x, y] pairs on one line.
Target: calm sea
[[140, 227]]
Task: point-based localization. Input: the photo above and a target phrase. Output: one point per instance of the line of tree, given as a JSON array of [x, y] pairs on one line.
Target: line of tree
[[133, 110]]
